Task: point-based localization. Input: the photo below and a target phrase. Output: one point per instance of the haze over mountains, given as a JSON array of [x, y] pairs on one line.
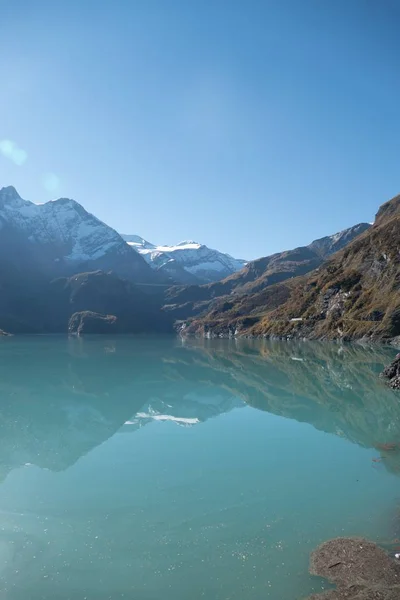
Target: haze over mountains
[[62, 269]]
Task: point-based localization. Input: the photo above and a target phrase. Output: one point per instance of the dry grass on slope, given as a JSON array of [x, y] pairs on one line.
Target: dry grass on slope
[[356, 294], [353, 295]]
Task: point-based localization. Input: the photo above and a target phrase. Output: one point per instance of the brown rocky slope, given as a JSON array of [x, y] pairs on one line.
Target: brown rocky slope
[[353, 295], [183, 302]]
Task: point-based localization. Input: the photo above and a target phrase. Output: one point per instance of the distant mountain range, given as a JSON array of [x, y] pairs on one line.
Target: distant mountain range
[[64, 270], [187, 262]]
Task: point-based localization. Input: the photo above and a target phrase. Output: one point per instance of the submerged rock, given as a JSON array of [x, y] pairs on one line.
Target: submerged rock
[[91, 322], [359, 568], [392, 373]]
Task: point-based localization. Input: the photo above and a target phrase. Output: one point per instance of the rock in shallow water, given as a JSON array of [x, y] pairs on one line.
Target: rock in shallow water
[[359, 568], [392, 373], [91, 322]]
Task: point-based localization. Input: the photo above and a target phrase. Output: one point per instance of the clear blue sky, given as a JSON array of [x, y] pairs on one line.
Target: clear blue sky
[[251, 126]]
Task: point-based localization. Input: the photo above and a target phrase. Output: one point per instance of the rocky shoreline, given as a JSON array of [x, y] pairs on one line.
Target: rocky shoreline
[[240, 331], [392, 373], [360, 569]]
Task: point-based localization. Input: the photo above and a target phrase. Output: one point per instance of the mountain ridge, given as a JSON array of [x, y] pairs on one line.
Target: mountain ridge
[[62, 267], [62, 238], [184, 301], [187, 262], [56, 259], [353, 295]]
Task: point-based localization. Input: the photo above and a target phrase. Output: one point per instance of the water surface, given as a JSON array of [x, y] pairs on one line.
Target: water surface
[[152, 469]]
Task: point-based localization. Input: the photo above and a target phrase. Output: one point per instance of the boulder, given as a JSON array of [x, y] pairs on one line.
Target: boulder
[[392, 373], [85, 322]]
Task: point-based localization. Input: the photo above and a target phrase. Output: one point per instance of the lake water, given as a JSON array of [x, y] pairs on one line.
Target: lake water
[[156, 469]]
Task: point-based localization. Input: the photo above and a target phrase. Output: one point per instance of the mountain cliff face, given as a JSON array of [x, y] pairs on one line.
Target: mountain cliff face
[[187, 262], [61, 238], [353, 295], [186, 301]]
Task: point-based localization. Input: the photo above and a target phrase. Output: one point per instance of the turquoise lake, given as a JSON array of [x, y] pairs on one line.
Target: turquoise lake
[[161, 469]]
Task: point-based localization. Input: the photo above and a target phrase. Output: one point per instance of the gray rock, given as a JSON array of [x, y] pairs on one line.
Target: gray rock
[[392, 373]]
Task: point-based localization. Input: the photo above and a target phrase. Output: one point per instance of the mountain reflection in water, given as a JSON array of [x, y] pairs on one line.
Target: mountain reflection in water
[[90, 390], [153, 468]]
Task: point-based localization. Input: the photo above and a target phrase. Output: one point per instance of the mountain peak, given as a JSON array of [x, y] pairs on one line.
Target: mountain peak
[[9, 192], [137, 240], [188, 243], [10, 198], [333, 243], [63, 201], [68, 203], [388, 210], [187, 262], [63, 237]]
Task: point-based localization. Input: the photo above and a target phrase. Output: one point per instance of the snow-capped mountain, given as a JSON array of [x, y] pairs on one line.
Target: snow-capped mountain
[[187, 262], [60, 237]]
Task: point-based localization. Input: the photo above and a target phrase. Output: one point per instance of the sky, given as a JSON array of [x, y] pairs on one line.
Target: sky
[[250, 126]]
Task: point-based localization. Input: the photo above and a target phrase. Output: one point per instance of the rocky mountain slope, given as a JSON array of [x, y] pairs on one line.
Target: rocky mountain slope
[[56, 260], [61, 238], [353, 295], [188, 262], [186, 301]]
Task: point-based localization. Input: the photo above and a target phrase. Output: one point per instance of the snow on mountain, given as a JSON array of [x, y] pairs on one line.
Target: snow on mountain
[[137, 242], [332, 243], [61, 237], [188, 261]]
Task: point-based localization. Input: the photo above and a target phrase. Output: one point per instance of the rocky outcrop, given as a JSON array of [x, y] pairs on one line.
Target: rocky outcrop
[[392, 373], [359, 569], [90, 322]]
